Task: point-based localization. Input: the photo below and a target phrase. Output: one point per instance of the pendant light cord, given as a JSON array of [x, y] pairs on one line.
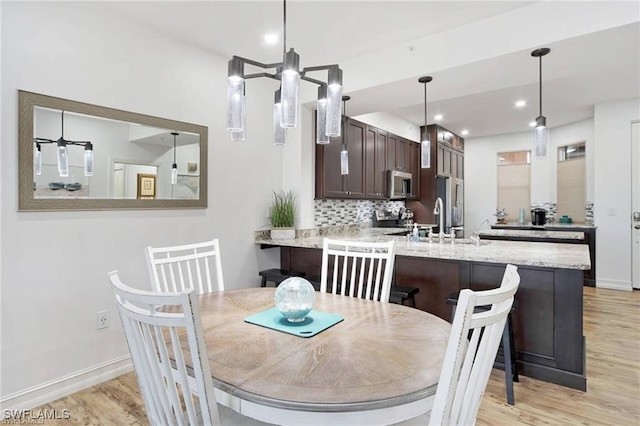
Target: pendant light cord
[[344, 124], [540, 86], [174, 147], [62, 130], [284, 39], [425, 108]]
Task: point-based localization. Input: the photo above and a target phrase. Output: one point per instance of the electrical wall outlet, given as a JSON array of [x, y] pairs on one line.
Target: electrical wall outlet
[[103, 319]]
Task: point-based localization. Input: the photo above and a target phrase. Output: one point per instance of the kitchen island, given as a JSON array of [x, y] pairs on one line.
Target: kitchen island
[[511, 229], [548, 316], [536, 235]]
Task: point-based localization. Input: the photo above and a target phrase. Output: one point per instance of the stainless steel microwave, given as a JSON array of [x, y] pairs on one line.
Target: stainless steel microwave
[[400, 184]]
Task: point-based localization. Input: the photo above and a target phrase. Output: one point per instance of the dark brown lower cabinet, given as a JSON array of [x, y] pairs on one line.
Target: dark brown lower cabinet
[[547, 320]]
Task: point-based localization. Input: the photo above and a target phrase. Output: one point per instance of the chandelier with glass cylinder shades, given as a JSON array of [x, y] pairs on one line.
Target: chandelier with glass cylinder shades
[[63, 154], [285, 110]]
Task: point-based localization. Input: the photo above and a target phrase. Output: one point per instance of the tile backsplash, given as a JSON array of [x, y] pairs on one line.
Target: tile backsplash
[[552, 211], [350, 212]]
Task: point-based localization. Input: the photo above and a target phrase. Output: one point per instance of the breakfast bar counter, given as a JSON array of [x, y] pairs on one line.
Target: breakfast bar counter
[[548, 317], [527, 253]]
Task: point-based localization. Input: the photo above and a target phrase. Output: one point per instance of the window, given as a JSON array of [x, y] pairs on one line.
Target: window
[[572, 182], [514, 183]]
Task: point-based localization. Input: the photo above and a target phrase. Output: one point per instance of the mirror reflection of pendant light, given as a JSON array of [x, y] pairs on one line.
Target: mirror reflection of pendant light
[[344, 154], [541, 131], [63, 153], [174, 166], [279, 132], [63, 158], [88, 159], [321, 116], [425, 144], [38, 159], [289, 74]]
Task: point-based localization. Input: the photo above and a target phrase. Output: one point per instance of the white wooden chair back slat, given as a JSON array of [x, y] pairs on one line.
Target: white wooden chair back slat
[[357, 269], [177, 268], [471, 351], [154, 339]]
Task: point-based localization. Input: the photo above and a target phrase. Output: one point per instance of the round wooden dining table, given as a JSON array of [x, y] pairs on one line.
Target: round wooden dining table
[[380, 365]]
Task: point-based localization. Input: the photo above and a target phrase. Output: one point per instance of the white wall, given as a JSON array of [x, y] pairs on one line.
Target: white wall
[[612, 190], [391, 123], [54, 264], [608, 139], [480, 170]]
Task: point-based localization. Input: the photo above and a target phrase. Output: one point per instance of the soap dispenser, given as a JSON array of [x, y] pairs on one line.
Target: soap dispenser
[[415, 234]]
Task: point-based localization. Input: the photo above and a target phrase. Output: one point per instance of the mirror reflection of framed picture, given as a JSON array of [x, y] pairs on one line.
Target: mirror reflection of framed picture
[[146, 186]]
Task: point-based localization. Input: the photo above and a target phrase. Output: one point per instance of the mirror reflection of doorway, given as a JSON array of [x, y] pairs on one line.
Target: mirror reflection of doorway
[[125, 178]]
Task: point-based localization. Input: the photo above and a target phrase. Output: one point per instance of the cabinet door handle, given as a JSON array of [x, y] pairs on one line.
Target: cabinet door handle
[[636, 226]]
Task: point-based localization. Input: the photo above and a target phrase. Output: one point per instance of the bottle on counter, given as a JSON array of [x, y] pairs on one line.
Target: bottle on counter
[[415, 235], [522, 217]]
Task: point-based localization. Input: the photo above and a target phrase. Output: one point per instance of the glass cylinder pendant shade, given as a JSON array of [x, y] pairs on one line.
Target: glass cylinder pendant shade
[[425, 152], [290, 81], [321, 116], [63, 159], [235, 103], [279, 132], [235, 96], [240, 134], [540, 138], [38, 160], [334, 102], [88, 159], [174, 174], [344, 162]]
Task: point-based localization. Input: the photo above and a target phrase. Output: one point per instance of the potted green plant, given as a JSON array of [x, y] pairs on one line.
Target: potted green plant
[[282, 215]]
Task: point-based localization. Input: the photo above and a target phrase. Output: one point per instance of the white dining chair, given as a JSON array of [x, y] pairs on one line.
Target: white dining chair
[[471, 351], [357, 269], [176, 268], [156, 339]]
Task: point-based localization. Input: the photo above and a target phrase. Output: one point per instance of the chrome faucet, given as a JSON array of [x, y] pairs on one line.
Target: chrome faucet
[[439, 210]]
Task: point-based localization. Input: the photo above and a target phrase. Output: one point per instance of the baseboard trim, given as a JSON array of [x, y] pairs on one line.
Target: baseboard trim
[[614, 285], [66, 385]]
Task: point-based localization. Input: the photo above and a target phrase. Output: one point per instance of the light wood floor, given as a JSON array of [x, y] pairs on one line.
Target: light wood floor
[[612, 330]]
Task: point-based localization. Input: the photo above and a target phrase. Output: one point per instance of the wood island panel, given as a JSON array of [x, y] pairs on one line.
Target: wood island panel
[[547, 321]]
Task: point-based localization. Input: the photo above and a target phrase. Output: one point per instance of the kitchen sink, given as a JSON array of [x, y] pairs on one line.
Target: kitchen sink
[[434, 231]]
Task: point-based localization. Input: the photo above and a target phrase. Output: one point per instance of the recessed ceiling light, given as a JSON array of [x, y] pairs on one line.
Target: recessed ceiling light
[[437, 117], [271, 38], [464, 132], [532, 124], [521, 103]]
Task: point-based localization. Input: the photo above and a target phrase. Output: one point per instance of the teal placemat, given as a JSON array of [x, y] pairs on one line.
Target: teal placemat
[[313, 324]]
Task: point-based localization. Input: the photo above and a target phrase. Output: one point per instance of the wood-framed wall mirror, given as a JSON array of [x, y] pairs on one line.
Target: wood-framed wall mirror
[[78, 156]]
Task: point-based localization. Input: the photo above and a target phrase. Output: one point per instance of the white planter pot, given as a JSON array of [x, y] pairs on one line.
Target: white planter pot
[[283, 233]]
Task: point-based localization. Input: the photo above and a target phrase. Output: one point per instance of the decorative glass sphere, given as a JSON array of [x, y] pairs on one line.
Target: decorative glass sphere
[[294, 298]]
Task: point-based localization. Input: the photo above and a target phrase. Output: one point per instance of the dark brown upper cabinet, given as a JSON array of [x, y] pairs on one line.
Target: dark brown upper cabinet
[[330, 183], [372, 153]]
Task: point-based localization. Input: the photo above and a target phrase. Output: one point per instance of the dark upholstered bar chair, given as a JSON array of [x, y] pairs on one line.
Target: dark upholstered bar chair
[[276, 276]]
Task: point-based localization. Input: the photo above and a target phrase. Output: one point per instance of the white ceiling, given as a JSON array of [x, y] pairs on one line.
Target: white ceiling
[[594, 67]]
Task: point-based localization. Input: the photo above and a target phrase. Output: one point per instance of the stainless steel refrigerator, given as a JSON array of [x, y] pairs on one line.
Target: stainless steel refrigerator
[[451, 190]]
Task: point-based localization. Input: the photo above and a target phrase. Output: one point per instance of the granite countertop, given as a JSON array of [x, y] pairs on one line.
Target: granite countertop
[[545, 226], [533, 233], [551, 255]]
